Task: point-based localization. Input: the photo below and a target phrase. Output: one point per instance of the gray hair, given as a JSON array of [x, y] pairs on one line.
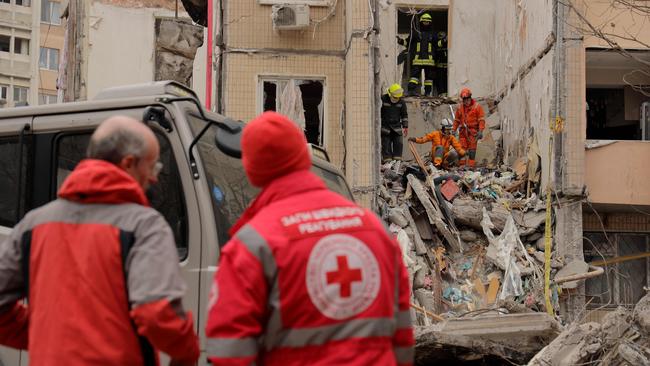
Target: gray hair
[[114, 146]]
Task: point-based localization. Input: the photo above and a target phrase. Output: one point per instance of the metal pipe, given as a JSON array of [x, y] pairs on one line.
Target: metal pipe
[[594, 272]]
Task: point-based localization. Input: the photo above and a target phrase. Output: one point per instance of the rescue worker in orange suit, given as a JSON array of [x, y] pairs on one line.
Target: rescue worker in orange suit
[[394, 123], [309, 277], [441, 143], [421, 46], [469, 122], [98, 267]]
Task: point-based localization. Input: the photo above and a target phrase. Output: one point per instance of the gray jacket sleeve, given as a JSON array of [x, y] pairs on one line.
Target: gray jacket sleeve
[[12, 281], [153, 272]]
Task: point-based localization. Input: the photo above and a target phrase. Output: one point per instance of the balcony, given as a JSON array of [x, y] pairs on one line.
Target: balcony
[[618, 172]]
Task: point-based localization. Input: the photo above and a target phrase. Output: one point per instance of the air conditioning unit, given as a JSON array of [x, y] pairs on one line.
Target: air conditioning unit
[[290, 16]]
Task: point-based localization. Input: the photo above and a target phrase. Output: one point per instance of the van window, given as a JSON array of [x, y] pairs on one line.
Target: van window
[[13, 179], [231, 192], [166, 196], [333, 181]]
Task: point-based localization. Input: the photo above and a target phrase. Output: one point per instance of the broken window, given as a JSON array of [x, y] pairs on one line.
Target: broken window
[[623, 282], [408, 24], [299, 99], [617, 89], [5, 42], [21, 46]]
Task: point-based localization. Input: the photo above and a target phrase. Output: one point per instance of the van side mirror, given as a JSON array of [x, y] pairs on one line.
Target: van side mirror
[[229, 140]]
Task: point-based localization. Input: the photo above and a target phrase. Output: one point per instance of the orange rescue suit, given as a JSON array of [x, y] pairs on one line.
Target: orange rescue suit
[[469, 120], [440, 144]]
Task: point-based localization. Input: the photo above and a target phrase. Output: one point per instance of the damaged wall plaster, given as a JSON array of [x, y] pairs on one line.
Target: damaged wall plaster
[[112, 61], [176, 45]]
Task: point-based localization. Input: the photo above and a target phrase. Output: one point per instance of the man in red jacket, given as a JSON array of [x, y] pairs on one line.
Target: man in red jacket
[[308, 278], [98, 267]]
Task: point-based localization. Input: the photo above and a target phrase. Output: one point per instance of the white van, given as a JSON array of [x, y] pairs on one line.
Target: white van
[[202, 188]]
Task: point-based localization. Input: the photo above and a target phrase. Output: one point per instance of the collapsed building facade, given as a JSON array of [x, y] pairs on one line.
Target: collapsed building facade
[[553, 89]]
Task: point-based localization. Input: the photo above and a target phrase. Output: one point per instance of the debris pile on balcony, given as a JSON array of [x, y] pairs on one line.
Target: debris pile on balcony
[[622, 337], [473, 240]]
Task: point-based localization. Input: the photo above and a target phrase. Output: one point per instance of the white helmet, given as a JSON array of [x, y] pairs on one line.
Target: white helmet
[[445, 124]]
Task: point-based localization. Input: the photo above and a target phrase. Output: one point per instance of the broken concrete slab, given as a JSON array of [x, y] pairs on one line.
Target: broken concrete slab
[[436, 347], [642, 313], [573, 346], [570, 269], [615, 323], [468, 236], [396, 216]]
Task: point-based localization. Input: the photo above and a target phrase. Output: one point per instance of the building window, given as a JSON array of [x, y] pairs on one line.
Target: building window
[[21, 46], [50, 12], [20, 94], [299, 99], [625, 279], [617, 89], [3, 92], [5, 1], [23, 2], [44, 99], [5, 42], [49, 59]]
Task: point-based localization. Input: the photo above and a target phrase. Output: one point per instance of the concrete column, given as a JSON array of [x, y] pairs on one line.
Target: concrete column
[[360, 168], [570, 161]]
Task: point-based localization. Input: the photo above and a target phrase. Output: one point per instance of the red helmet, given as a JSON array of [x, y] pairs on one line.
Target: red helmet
[[465, 93]]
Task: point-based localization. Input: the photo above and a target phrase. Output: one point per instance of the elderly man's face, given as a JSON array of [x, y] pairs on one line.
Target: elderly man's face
[[144, 169]]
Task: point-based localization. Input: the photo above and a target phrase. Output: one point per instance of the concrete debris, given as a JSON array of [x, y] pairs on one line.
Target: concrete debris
[[474, 245], [176, 45], [621, 338]]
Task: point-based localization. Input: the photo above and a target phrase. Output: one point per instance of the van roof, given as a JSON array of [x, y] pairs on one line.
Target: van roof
[[130, 95]]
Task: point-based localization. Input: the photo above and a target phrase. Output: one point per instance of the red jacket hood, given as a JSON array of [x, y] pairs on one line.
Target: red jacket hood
[[98, 181], [283, 187]]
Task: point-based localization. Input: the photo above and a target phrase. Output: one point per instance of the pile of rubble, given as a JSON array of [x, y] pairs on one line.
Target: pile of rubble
[[621, 338], [473, 240]]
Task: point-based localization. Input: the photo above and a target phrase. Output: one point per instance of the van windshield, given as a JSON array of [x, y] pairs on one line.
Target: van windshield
[[228, 185], [231, 193]]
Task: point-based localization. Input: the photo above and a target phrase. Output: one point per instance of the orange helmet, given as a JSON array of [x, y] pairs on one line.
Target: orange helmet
[[465, 93]]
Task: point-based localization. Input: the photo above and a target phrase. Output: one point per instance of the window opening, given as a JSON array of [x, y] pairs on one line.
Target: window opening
[[408, 24], [5, 42], [300, 100], [44, 99], [23, 2], [21, 94], [21, 46]]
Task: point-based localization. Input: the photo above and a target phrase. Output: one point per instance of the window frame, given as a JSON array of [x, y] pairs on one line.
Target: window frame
[[20, 88], [4, 88], [8, 43], [314, 3], [262, 78], [50, 8], [46, 99], [48, 51], [15, 50]]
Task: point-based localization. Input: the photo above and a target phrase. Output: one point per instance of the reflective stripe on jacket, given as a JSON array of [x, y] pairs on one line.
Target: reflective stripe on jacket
[[309, 279], [394, 116]]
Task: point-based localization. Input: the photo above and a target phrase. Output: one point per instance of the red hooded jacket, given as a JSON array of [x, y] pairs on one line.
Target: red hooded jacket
[[309, 278], [100, 271]]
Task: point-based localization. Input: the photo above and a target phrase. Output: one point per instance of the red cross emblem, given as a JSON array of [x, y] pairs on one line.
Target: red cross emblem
[[344, 276]]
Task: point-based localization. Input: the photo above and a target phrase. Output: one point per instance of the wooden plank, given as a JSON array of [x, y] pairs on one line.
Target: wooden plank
[[492, 291], [417, 157], [480, 289]]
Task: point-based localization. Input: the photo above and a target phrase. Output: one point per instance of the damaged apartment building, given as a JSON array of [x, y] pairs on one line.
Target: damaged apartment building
[[564, 84]]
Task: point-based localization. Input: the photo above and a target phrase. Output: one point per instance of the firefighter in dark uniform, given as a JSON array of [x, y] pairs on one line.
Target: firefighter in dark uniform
[[421, 46], [441, 63], [394, 123]]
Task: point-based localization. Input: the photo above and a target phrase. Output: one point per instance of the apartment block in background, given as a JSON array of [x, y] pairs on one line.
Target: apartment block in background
[[31, 41]]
